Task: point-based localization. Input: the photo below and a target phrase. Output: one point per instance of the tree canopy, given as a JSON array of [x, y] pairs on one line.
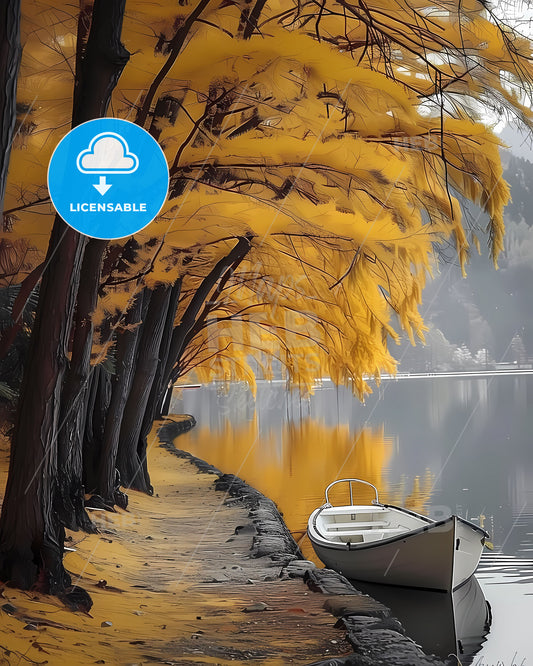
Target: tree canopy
[[355, 121]]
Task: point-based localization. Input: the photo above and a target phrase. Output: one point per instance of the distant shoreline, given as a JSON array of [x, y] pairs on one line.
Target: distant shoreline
[[461, 374], [458, 374]]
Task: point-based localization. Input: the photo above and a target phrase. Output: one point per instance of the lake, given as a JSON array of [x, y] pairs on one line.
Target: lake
[[436, 445]]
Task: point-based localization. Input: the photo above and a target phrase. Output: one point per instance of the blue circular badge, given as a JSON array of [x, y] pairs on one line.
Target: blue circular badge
[[108, 178]]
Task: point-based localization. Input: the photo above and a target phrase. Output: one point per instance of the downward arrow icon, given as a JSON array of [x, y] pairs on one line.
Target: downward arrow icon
[[102, 186]]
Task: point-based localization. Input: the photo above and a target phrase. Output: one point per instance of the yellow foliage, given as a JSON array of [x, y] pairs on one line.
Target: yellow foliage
[[312, 324], [338, 145]]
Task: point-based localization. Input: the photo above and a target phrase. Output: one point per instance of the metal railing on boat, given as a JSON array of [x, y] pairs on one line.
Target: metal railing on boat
[[349, 482]]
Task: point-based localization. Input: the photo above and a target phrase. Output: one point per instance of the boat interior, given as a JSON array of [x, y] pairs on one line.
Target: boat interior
[[356, 523], [363, 524]]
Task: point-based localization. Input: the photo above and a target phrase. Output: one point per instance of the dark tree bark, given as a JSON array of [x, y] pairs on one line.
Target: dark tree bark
[[104, 479], [175, 46], [193, 310], [70, 501], [89, 454], [165, 401], [31, 534], [131, 457], [126, 348], [154, 400], [101, 65], [10, 54], [209, 306], [99, 399], [103, 54], [249, 19]]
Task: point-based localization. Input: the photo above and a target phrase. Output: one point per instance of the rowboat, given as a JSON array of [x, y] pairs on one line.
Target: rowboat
[[382, 543]]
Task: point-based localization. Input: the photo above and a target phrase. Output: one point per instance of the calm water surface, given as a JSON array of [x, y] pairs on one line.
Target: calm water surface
[[435, 445]]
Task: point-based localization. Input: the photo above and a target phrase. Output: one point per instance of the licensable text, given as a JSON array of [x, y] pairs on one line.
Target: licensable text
[[91, 207]]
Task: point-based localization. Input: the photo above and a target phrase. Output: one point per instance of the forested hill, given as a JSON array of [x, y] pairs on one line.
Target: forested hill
[[519, 175], [489, 309]]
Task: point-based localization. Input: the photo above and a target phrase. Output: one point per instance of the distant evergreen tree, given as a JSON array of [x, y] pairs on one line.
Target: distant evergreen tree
[[519, 175]]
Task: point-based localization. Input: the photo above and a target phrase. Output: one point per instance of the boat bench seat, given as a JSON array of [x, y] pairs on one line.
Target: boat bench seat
[[331, 527], [353, 510], [369, 535]]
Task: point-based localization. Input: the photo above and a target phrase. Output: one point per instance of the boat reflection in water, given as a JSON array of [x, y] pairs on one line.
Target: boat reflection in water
[[442, 624]]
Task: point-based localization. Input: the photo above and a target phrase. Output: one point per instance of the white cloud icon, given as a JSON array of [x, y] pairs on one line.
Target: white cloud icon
[[107, 153]]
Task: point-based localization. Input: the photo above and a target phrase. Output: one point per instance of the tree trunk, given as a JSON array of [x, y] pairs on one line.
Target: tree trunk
[[10, 53], [179, 336], [127, 343], [131, 457], [209, 305], [249, 19], [174, 48], [31, 534], [153, 407], [71, 494], [165, 402], [89, 457], [102, 62], [98, 403]]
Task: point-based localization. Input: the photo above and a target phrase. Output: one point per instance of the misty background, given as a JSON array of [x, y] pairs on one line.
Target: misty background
[[486, 318]]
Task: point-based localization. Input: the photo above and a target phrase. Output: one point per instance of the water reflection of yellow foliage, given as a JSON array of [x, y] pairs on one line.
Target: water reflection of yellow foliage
[[295, 463], [418, 497]]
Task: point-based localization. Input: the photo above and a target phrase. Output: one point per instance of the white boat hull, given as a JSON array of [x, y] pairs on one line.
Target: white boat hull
[[468, 550], [431, 555]]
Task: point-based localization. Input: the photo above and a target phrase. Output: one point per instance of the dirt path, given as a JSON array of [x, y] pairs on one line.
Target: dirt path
[[172, 583]]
